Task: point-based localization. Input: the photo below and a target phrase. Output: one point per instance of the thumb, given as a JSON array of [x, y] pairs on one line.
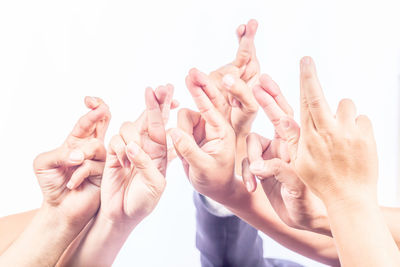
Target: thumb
[[280, 171], [60, 157], [238, 89], [145, 165], [291, 134], [187, 148]]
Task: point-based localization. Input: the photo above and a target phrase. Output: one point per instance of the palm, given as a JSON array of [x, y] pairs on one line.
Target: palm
[[288, 195], [212, 143], [126, 192], [131, 194], [53, 177], [236, 116]]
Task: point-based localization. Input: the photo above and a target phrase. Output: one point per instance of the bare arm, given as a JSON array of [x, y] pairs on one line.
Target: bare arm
[[256, 210], [12, 226]]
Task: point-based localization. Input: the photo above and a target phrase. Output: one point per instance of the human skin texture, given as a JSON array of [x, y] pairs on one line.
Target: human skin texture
[[336, 157], [69, 177], [133, 182]]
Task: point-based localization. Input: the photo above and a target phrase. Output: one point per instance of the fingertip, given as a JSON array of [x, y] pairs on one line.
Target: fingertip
[[269, 85], [92, 102], [307, 66], [132, 149], [198, 77], [151, 99], [71, 185], [161, 92], [240, 31], [250, 187], [174, 104], [248, 177], [264, 78], [76, 156], [251, 28]]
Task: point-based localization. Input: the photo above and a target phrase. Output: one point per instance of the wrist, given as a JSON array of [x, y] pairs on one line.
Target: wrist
[[351, 204], [56, 220], [116, 226]]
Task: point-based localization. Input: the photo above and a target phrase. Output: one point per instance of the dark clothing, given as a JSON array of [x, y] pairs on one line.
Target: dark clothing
[[229, 241]]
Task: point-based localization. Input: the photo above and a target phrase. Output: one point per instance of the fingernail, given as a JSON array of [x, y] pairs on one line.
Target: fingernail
[[305, 61], [235, 103], [70, 185], [228, 81], [248, 186], [94, 100], [176, 135], [76, 156], [132, 149], [257, 166]]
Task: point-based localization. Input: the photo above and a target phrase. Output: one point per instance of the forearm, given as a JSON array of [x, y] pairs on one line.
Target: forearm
[[361, 234], [42, 242], [100, 246], [256, 210], [12, 226]]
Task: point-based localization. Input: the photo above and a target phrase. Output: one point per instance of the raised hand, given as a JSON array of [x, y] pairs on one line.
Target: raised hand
[[343, 143], [239, 107], [337, 159], [133, 182], [134, 176], [205, 141], [268, 160], [70, 175]]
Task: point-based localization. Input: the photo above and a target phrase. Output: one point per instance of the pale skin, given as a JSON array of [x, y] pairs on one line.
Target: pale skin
[[66, 207], [234, 81], [344, 144], [206, 140], [133, 182], [269, 160]]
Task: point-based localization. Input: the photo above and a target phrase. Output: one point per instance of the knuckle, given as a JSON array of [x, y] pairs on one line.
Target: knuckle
[[156, 124], [125, 127], [314, 102], [37, 161], [244, 53]]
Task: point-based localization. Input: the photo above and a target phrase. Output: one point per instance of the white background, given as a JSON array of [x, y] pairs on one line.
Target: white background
[[53, 53]]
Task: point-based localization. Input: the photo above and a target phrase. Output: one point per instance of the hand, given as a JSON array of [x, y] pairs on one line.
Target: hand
[[235, 81], [134, 175], [269, 161], [336, 154], [70, 175], [205, 141]]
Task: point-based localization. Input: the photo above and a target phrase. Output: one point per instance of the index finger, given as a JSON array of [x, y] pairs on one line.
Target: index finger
[[272, 88], [246, 34], [155, 120], [209, 112], [313, 95], [87, 124]]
